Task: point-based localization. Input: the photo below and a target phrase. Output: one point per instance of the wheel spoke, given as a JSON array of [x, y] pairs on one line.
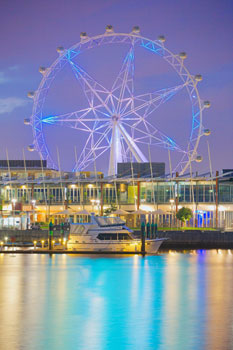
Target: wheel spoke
[[95, 93], [93, 149], [122, 88], [146, 133], [148, 103], [83, 118], [137, 153]]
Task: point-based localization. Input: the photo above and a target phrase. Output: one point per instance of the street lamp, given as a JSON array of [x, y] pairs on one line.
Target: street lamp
[[13, 206], [97, 203], [92, 203], [33, 208], [64, 243], [172, 201]]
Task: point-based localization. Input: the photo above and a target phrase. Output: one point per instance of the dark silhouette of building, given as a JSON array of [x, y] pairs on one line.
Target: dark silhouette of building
[[141, 169]]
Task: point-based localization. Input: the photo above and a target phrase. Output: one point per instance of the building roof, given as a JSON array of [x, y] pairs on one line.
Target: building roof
[[12, 164]]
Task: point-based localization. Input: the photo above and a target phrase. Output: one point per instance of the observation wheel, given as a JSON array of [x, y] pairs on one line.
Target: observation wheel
[[118, 121]]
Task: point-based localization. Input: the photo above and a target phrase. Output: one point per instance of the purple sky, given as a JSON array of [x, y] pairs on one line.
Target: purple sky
[[31, 31]]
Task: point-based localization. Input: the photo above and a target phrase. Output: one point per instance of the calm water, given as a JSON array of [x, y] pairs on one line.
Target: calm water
[[169, 301]]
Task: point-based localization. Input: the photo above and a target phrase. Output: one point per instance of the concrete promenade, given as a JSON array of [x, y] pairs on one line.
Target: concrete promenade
[[197, 239], [28, 236]]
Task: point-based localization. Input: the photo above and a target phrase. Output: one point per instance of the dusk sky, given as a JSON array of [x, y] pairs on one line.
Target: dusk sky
[[30, 32]]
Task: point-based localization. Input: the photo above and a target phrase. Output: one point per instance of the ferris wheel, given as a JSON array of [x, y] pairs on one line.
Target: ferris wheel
[[118, 121]]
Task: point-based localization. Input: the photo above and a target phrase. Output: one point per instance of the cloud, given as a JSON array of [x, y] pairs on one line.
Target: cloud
[[3, 78], [7, 105], [15, 67]]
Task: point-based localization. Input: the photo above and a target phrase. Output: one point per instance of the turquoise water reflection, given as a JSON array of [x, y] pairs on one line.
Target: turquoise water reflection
[[169, 301]]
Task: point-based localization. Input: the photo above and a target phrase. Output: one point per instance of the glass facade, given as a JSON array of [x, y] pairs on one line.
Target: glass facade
[[121, 193], [226, 193]]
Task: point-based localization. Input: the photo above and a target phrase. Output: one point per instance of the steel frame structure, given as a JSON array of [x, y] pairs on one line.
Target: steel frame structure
[[116, 120]]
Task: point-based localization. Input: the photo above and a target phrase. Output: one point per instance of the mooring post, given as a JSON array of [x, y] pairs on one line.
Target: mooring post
[[152, 229], [62, 231], [101, 199], [148, 230], [155, 229], [50, 235], [143, 246], [216, 200]]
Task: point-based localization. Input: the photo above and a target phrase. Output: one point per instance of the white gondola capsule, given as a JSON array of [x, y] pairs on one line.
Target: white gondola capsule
[[31, 148], [198, 77], [109, 29], [161, 38], [199, 159], [42, 70], [31, 94], [60, 50], [27, 121], [207, 132], [83, 35], [207, 104], [136, 30], [183, 55]]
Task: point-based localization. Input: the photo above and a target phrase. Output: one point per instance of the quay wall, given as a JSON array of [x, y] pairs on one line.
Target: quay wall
[[197, 240], [26, 236], [176, 239]]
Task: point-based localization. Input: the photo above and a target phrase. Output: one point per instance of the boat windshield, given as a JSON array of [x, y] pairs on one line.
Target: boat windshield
[[109, 221], [78, 229], [114, 237]]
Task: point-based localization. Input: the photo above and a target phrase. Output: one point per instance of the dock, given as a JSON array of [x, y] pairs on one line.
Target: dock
[[24, 241]]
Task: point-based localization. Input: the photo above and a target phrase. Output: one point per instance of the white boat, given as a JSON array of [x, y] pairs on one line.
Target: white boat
[[107, 234]]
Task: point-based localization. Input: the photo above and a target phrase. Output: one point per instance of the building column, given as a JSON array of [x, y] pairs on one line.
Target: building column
[[177, 193], [101, 199], [216, 198], [138, 195], [81, 194]]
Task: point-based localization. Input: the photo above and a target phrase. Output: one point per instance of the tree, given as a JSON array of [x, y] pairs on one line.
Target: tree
[[184, 214], [109, 210]]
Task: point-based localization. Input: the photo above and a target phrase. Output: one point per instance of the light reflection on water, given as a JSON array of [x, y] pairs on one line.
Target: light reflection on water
[[169, 301]]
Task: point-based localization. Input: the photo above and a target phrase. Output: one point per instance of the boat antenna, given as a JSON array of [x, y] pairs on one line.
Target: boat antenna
[[132, 173], [191, 180], [44, 187], [170, 168], [61, 185], [79, 184], [25, 173], [152, 179], [211, 170]]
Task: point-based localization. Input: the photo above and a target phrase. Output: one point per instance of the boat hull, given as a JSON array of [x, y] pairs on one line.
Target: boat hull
[[151, 246]]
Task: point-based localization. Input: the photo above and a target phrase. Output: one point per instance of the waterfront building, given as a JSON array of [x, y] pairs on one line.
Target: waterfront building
[[30, 192]]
